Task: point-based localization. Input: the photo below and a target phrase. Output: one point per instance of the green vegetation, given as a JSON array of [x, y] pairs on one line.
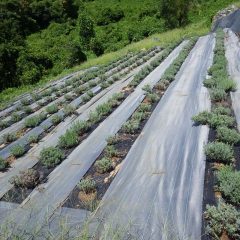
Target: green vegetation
[[33, 139], [51, 156], [52, 109], [110, 151], [18, 150], [69, 139], [26, 179], [226, 135], [3, 164], [103, 165], [229, 184], [34, 121], [47, 37], [87, 185], [9, 137], [222, 218], [219, 152], [56, 119]]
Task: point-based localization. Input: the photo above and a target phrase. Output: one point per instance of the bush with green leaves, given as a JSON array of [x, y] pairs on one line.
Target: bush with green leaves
[[18, 150], [9, 137], [28, 109], [202, 117], [25, 101], [69, 139], [220, 110], [219, 152], [112, 140], [227, 135], [81, 127], [87, 185], [68, 97], [223, 218], [110, 151], [229, 184], [52, 109], [15, 117], [103, 165], [27, 179], [51, 156], [217, 120], [3, 124], [144, 107], [131, 126], [147, 88], [34, 121], [69, 109], [3, 164], [218, 94], [33, 138], [56, 119]]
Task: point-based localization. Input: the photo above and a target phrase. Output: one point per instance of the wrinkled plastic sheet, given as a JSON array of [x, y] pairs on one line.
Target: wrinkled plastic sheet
[[230, 21], [39, 205], [51, 139], [157, 193], [232, 46]]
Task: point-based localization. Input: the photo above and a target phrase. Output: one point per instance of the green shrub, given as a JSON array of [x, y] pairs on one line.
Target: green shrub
[[139, 116], [85, 98], [221, 120], [18, 150], [112, 140], [15, 117], [81, 127], [223, 218], [56, 119], [226, 135], [51, 156], [218, 94], [52, 109], [69, 139], [25, 101], [69, 110], [103, 165], [9, 137], [27, 179], [130, 127], [229, 184], [222, 110], [68, 97], [110, 151], [152, 97], [27, 109], [3, 124], [87, 185], [202, 118], [147, 88], [33, 138], [144, 107], [34, 121], [218, 151], [3, 164]]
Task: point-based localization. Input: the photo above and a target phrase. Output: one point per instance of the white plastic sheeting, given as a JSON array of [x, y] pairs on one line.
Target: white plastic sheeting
[[32, 157], [232, 46], [157, 194], [45, 199]]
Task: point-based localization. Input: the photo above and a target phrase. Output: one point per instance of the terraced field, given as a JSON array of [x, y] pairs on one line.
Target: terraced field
[[121, 151]]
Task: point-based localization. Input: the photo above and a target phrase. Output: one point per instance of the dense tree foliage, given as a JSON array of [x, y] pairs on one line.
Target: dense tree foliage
[[43, 37]]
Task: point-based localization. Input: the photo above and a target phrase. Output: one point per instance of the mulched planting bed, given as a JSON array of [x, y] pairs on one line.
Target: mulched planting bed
[[210, 194], [78, 199], [18, 194]]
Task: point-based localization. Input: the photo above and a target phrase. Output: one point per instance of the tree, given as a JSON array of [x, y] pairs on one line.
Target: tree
[[86, 29], [175, 12]]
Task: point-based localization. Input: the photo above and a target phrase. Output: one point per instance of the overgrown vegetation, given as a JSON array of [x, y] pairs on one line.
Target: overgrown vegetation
[[51, 156]]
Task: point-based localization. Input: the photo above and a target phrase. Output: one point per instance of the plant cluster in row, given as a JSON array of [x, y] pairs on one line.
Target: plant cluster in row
[[223, 219]]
